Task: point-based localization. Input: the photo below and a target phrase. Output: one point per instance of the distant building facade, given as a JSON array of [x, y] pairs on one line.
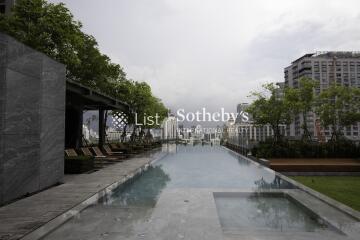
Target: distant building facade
[[169, 127], [325, 67]]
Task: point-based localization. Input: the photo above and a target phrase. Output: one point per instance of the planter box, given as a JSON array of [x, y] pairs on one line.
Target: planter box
[[76, 165]]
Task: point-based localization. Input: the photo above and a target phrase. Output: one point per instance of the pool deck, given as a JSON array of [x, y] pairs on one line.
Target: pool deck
[[191, 214], [30, 214], [180, 213]]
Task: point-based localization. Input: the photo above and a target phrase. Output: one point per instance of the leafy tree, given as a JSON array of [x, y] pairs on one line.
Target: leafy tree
[[270, 108], [301, 101], [338, 106], [51, 29], [143, 103], [157, 108]]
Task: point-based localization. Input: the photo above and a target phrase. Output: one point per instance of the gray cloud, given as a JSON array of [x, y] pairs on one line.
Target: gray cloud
[[212, 54]]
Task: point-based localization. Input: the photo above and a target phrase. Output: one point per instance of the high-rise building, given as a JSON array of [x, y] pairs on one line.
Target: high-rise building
[[170, 127], [325, 67], [6, 5]]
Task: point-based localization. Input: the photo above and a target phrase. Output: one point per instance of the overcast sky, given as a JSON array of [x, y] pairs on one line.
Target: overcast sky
[[212, 53]]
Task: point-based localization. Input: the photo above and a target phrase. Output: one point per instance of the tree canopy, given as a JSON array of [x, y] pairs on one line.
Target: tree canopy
[[338, 106], [270, 108], [51, 29], [301, 101]]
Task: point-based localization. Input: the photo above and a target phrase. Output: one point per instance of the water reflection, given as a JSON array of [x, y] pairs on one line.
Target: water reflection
[[281, 214], [276, 213], [241, 160], [122, 215], [214, 167], [170, 148], [143, 191], [277, 183]]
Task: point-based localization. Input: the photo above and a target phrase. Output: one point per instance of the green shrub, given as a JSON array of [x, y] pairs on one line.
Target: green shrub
[[79, 164]]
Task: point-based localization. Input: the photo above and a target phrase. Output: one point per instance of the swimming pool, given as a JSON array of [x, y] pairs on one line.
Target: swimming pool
[[173, 199]]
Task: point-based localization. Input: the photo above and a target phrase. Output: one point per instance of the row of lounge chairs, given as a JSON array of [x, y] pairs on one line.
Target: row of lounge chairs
[[110, 153]]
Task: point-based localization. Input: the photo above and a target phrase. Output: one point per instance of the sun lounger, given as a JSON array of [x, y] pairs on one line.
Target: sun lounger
[[109, 152], [126, 148], [99, 154], [71, 152], [100, 161]]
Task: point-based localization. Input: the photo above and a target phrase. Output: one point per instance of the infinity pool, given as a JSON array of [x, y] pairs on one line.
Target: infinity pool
[[195, 167], [175, 188]]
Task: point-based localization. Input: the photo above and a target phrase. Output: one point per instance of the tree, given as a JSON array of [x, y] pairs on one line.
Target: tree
[[337, 107], [270, 108], [51, 29], [143, 103], [301, 101]]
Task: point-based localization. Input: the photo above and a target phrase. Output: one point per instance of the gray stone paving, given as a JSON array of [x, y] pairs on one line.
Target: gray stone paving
[[28, 214]]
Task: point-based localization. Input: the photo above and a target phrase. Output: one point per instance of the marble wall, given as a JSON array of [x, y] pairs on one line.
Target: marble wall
[[32, 120]]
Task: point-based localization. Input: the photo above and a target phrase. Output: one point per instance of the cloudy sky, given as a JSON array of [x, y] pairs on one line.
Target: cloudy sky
[[212, 53]]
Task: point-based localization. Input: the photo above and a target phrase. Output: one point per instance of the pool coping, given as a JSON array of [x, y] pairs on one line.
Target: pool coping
[[54, 223], [338, 205]]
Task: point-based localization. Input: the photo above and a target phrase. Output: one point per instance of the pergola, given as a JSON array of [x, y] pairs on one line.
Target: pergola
[[80, 98]]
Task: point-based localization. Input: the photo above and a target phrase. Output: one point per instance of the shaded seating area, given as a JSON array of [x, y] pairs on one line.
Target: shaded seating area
[[80, 98], [104, 156], [85, 160]]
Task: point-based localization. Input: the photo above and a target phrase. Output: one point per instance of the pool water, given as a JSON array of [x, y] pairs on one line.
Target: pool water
[[127, 213], [271, 212], [195, 167]]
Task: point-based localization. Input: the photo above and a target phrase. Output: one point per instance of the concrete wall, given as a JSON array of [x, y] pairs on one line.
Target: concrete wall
[[32, 119]]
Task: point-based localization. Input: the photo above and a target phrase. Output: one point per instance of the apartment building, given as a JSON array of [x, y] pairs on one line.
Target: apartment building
[[326, 68], [169, 127]]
